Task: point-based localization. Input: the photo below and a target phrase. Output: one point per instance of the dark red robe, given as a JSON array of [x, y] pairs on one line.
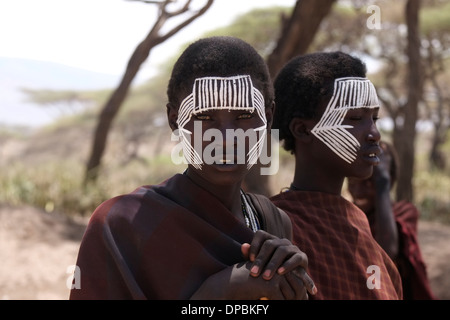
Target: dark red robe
[[164, 241], [157, 244], [344, 258], [409, 260]]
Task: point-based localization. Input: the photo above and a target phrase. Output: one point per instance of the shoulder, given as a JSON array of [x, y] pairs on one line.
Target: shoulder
[[121, 208]]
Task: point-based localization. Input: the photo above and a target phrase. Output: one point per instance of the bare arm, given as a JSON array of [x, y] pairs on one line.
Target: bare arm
[[385, 227]]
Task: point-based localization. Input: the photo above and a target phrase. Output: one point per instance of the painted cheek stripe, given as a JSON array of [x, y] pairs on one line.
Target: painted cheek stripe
[[349, 93]]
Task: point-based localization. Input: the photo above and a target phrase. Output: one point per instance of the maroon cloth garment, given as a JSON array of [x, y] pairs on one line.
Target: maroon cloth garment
[[157, 244], [410, 262], [342, 253]]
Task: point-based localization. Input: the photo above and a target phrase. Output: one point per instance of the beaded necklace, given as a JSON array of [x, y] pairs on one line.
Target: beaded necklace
[[250, 217]]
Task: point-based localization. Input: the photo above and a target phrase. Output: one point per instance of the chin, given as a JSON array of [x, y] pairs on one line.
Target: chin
[[361, 170]]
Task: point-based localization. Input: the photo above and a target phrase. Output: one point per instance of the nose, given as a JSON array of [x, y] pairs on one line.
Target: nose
[[225, 139], [374, 135]]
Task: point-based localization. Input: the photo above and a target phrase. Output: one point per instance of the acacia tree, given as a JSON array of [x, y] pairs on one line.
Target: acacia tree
[[404, 141], [436, 50], [297, 33], [167, 9]]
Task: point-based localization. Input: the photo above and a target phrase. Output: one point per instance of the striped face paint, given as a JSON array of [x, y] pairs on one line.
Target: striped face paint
[[221, 93], [349, 93]]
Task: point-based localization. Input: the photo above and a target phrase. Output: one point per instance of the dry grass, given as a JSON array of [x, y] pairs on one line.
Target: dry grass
[[46, 170]]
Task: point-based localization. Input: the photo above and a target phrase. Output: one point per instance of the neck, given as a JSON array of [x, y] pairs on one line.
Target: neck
[[307, 178], [227, 194]]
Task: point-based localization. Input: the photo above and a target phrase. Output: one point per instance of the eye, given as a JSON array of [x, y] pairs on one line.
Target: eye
[[203, 117], [354, 115], [375, 116], [245, 115]]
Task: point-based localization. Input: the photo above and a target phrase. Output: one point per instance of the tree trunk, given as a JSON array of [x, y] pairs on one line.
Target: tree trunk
[[405, 142], [111, 108], [297, 34], [140, 54]]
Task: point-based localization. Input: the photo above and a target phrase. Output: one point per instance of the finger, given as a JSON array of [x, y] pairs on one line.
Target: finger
[[258, 240], [260, 251], [245, 249], [281, 255], [309, 283], [287, 289], [297, 285], [297, 259], [264, 256]]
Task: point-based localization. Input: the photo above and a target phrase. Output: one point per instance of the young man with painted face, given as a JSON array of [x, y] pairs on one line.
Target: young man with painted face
[[198, 235], [326, 111]]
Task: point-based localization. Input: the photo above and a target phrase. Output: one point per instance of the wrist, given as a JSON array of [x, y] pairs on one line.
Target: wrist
[[382, 183]]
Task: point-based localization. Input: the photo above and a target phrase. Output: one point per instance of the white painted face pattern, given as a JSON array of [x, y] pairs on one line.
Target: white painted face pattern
[[349, 93], [221, 93]]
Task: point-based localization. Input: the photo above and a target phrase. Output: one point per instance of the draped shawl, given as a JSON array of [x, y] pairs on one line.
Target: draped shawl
[[159, 242], [344, 258]]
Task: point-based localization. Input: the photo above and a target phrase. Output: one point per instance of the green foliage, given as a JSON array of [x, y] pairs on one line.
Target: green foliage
[[431, 186], [259, 27], [50, 186], [432, 189], [52, 97], [435, 19], [58, 186]]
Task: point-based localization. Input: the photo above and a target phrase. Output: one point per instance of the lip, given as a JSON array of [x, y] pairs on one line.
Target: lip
[[229, 162], [231, 158], [371, 154], [226, 167]]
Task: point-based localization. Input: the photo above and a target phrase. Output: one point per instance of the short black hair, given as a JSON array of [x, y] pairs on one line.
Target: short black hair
[[305, 83], [221, 56]]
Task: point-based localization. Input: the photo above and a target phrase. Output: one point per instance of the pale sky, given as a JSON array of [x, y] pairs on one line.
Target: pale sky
[[99, 35]]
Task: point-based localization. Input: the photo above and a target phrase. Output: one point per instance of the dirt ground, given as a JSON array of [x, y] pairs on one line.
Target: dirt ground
[[37, 248]]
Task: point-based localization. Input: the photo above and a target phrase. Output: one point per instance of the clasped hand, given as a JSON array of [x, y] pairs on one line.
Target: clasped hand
[[273, 269]]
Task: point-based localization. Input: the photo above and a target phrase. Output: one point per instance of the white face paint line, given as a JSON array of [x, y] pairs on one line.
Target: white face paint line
[[349, 93], [221, 93]]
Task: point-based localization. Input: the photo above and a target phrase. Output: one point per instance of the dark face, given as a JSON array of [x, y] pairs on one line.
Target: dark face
[[362, 126], [223, 139], [365, 131]]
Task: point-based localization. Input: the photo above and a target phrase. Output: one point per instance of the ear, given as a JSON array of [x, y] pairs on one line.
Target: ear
[[172, 116], [300, 129], [269, 114]]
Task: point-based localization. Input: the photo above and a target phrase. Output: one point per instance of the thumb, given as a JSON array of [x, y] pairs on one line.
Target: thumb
[[245, 249]]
